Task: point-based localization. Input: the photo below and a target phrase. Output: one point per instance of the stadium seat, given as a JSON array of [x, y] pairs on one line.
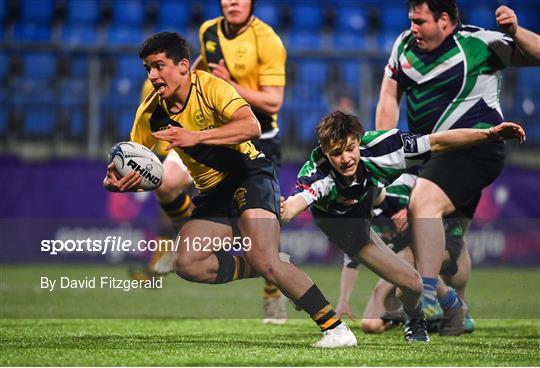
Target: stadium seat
[[31, 31], [482, 15], [79, 34], [37, 10], [128, 13], [172, 15], [211, 10], [3, 121], [348, 40], [3, 5], [312, 73], [129, 66], [124, 35], [351, 18], [82, 11], [39, 121], [394, 17], [350, 74], [307, 17], [303, 40], [268, 13], [4, 66], [39, 65], [79, 66]]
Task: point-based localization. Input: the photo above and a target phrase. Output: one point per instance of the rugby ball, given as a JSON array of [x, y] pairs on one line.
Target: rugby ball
[[131, 156]]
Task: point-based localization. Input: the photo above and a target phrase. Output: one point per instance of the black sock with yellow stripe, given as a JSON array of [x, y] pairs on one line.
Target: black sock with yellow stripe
[[316, 305], [271, 291], [233, 268], [178, 209]]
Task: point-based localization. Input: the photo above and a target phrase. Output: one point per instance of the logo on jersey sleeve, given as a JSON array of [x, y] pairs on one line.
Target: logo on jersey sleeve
[[409, 143], [210, 46]]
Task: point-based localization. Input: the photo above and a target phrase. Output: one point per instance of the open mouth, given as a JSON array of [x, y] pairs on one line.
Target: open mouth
[[159, 87]]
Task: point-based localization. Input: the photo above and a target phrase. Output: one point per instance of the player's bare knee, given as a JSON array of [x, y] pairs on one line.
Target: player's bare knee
[[373, 326], [411, 282], [186, 269]]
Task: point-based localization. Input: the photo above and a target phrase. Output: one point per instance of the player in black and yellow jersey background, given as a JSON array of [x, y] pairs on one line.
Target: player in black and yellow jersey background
[[246, 52]]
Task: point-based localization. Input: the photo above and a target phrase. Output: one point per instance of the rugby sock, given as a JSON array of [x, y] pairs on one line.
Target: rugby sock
[[178, 209], [316, 305], [450, 300], [271, 292], [429, 289], [415, 313], [233, 268]]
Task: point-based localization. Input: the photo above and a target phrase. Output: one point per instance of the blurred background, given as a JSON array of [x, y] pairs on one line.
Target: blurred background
[[71, 84]]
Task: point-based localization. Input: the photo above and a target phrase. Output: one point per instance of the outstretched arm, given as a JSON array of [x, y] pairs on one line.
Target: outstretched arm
[[528, 51], [292, 207], [460, 138]]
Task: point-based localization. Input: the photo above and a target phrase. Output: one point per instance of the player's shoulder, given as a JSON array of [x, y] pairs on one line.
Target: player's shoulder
[[483, 34], [204, 80], [209, 23], [372, 137], [263, 30]]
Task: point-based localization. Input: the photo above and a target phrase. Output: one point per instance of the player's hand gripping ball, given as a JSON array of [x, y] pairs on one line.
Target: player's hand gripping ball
[[130, 156]]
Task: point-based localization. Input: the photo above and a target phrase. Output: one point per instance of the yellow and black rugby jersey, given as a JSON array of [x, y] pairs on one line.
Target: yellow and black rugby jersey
[[255, 58], [210, 104], [146, 89]]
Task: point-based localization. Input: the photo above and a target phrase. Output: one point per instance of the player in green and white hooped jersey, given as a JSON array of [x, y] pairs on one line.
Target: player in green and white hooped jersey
[[345, 174], [390, 223], [450, 74]]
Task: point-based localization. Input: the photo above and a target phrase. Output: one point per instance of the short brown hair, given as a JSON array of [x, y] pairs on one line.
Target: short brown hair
[[338, 127]]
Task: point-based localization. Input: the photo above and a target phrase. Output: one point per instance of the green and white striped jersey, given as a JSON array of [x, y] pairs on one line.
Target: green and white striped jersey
[[455, 86], [384, 156]]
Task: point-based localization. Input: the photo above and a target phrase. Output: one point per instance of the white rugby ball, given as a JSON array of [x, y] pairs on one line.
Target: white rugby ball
[[131, 156]]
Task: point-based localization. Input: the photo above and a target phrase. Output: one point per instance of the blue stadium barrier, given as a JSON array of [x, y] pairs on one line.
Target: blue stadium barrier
[[128, 12], [79, 34], [82, 11], [31, 31], [3, 121], [37, 10]]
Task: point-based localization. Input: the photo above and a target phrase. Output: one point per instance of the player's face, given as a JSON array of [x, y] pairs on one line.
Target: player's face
[[236, 12], [426, 30], [345, 158], [165, 75]]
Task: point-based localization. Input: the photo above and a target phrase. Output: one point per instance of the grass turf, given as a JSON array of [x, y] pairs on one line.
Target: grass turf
[[219, 325]]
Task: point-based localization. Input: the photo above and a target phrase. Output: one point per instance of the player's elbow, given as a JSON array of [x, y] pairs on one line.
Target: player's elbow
[[254, 131]]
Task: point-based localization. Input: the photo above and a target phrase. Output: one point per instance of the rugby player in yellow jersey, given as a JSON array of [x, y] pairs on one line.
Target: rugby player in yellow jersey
[[207, 122], [244, 51]]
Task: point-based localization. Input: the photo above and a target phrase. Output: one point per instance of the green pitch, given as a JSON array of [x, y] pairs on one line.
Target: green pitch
[[190, 324]]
